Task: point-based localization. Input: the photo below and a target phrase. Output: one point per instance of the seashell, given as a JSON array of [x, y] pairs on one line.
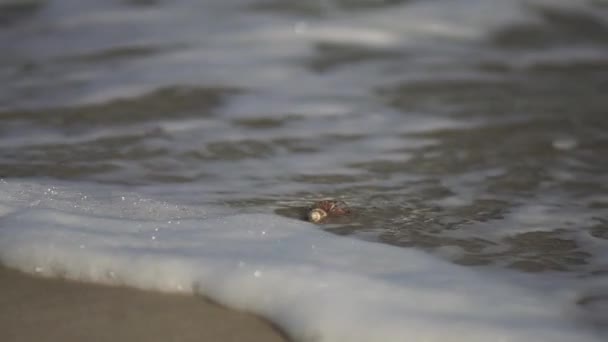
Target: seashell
[[327, 208], [317, 215]]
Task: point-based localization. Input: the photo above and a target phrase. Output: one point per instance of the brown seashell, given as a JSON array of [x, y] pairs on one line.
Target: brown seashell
[[327, 208]]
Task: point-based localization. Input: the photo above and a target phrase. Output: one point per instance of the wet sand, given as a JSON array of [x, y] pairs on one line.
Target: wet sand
[[38, 309]]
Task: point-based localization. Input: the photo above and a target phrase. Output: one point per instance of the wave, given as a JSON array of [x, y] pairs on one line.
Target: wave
[[314, 285]]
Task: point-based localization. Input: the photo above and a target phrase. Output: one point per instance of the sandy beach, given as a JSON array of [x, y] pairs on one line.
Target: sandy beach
[[38, 309]]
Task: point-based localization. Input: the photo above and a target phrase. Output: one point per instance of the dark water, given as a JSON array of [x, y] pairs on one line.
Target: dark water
[[476, 130]]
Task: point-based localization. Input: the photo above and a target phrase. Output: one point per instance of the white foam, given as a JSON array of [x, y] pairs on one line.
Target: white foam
[[530, 217], [564, 144], [314, 285], [349, 35]]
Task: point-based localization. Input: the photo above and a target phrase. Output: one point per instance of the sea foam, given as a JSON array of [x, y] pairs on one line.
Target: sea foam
[[314, 285]]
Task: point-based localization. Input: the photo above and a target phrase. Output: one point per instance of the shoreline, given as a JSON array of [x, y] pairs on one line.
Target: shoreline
[[49, 309]]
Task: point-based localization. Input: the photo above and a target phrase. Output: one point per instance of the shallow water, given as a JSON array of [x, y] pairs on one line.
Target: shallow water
[[474, 130]]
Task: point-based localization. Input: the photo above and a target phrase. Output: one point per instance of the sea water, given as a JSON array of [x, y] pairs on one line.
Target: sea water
[[174, 146], [316, 286]]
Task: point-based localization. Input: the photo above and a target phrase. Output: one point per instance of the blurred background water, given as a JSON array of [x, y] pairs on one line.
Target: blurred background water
[[473, 129]]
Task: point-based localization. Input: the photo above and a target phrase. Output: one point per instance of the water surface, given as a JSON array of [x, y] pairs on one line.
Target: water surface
[[474, 130]]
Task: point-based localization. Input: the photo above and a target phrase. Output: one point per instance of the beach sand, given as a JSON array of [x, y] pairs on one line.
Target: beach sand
[[39, 309]]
